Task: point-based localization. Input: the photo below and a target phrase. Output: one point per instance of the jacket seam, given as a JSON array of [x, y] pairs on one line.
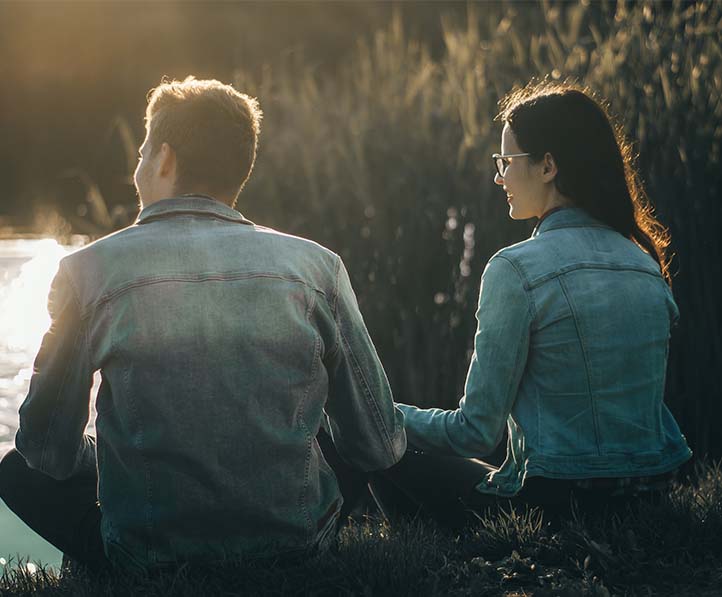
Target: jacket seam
[[75, 292], [302, 421], [56, 403], [518, 355], [337, 273], [660, 402], [334, 310], [150, 554], [548, 463], [602, 266], [51, 425], [585, 356], [370, 398], [570, 225], [193, 213], [525, 286], [551, 322], [219, 277]]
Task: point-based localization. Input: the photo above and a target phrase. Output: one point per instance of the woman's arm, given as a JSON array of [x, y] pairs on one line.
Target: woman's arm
[[501, 346]]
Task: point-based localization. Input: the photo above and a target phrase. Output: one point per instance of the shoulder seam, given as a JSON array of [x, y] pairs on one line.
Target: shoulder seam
[[525, 284]]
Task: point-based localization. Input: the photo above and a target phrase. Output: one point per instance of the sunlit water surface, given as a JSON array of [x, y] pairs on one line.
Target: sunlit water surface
[[26, 269]]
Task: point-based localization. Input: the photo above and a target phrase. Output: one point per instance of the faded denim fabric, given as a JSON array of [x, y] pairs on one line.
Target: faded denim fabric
[[223, 347], [570, 354]]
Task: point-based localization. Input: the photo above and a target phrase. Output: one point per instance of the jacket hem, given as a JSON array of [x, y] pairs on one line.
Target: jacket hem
[[581, 467]]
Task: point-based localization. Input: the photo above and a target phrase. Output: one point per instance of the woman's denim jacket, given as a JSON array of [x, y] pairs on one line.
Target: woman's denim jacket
[[570, 354], [222, 347]]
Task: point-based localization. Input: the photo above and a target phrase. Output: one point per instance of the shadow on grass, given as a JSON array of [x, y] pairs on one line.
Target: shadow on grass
[[672, 548]]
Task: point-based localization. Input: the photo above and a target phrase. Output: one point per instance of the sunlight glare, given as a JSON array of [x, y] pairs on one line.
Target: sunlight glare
[[23, 302]]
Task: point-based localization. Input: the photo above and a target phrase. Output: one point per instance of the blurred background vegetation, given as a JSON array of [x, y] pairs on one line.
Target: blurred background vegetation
[[379, 124]]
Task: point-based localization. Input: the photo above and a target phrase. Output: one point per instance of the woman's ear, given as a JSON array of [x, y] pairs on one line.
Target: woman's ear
[[549, 168]]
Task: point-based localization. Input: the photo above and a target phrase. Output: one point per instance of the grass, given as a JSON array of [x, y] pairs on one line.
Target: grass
[[673, 548]]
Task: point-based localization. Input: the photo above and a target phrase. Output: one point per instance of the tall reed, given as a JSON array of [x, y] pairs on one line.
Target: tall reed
[[386, 161]]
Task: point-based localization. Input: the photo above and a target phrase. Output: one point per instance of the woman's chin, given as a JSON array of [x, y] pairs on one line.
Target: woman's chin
[[514, 213], [518, 214]]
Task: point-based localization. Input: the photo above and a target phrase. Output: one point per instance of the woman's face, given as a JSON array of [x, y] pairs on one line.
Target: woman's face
[[522, 181]]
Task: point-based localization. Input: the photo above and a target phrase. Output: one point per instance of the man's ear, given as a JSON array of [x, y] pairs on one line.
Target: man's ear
[[166, 160], [549, 168]]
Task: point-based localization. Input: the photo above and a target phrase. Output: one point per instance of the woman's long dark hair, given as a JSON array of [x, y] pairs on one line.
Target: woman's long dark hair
[[595, 163]]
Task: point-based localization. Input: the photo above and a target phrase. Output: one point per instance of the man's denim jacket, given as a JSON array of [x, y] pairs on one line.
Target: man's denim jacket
[[223, 347], [570, 354]]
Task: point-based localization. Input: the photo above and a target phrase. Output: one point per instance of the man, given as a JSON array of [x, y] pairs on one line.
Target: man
[[222, 347]]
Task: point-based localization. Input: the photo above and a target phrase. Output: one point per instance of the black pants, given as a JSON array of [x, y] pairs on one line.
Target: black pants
[[67, 513], [442, 488]]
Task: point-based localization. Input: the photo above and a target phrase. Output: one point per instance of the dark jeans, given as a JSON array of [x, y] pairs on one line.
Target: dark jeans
[[67, 513], [441, 488]]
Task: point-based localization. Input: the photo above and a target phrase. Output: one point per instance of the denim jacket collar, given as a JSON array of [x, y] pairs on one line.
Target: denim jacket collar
[[198, 205], [568, 217]]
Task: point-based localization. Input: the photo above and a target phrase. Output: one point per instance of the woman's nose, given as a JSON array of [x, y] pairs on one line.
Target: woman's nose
[[498, 179]]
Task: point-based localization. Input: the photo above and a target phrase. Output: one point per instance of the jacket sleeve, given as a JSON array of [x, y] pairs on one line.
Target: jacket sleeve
[[501, 346], [56, 410], [366, 427]]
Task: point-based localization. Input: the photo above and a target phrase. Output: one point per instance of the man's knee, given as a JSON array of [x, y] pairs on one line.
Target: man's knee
[[10, 466]]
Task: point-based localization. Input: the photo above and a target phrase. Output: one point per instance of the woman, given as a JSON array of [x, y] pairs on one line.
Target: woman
[[572, 338]]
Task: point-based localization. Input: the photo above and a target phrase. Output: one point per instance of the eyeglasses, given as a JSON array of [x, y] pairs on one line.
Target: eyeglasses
[[502, 161]]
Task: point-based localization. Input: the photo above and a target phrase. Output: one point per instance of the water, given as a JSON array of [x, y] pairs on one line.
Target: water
[[27, 267]]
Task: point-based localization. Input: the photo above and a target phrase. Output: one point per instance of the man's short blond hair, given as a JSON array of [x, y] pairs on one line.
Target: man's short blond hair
[[213, 130]]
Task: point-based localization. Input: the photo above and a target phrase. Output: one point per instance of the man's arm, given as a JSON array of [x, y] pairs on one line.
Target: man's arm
[[56, 410], [367, 429], [501, 347]]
